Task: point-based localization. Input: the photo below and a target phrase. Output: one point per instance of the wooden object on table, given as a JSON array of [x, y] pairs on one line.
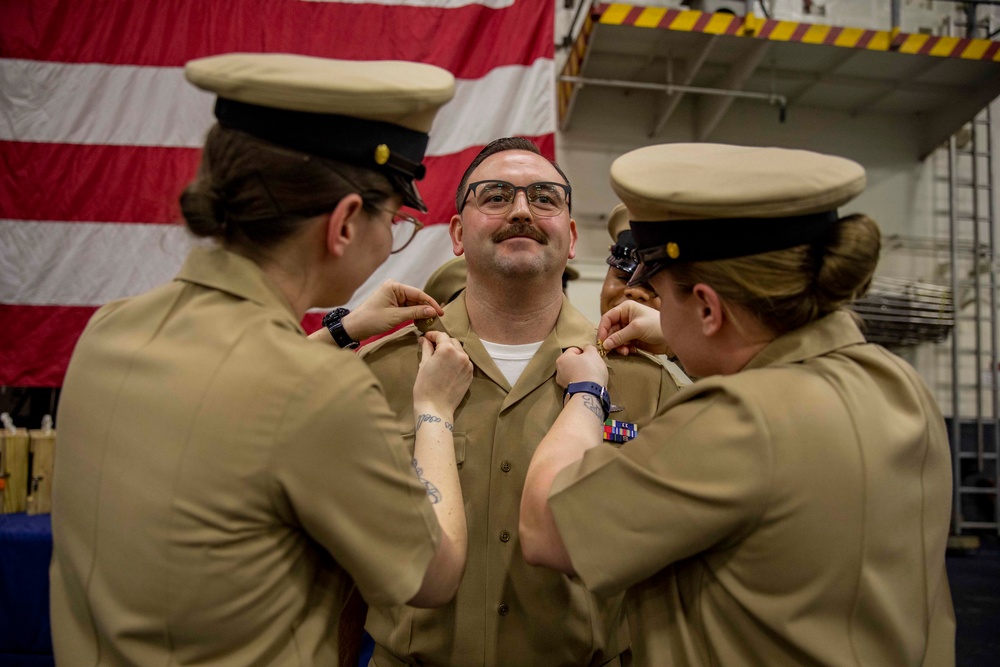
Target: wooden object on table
[[43, 443], [13, 471]]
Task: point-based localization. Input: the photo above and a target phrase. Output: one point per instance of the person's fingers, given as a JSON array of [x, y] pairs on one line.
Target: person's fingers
[[612, 321], [407, 295], [612, 340], [426, 350], [437, 338], [412, 313]]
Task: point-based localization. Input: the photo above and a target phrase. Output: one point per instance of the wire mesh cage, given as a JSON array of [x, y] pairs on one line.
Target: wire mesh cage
[[900, 313]]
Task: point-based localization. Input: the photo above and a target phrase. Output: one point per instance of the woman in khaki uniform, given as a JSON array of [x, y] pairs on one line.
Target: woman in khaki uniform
[[792, 506], [222, 482]]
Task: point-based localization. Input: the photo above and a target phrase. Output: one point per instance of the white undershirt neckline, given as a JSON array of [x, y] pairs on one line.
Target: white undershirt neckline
[[511, 359]]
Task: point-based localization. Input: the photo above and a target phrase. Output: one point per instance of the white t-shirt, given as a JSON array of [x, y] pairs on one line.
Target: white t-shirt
[[511, 359]]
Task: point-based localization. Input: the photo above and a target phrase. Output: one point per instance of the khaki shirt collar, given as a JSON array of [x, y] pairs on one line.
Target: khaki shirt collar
[[827, 334], [572, 330], [226, 271]]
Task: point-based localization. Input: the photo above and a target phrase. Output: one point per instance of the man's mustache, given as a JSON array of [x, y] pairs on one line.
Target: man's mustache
[[521, 229]]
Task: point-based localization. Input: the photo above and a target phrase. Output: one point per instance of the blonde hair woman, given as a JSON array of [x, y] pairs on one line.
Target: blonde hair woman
[[792, 506]]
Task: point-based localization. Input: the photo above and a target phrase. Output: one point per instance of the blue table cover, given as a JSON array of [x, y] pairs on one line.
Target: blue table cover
[[25, 552]]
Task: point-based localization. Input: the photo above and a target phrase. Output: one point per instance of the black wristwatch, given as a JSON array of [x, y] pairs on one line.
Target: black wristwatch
[[593, 389], [332, 322]]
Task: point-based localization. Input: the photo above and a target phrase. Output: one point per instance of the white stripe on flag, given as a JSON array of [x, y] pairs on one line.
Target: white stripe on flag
[[509, 101], [85, 264], [90, 264], [117, 105], [155, 106]]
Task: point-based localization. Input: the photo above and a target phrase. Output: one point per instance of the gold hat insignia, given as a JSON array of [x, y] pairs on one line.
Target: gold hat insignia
[[382, 154], [673, 250]]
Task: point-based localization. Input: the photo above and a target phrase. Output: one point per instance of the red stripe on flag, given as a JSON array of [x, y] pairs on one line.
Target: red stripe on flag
[[36, 342], [168, 34], [100, 183], [93, 183], [312, 322]]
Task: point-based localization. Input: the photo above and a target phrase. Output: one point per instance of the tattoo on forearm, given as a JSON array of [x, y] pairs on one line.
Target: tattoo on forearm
[[593, 405], [449, 427], [432, 491], [425, 418]]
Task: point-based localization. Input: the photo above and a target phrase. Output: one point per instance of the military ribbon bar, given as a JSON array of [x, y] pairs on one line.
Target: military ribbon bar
[[616, 431]]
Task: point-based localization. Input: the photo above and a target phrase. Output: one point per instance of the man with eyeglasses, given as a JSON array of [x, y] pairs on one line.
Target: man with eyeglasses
[[515, 230]]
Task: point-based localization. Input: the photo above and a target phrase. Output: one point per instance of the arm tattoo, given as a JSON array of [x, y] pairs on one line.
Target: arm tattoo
[[449, 427], [425, 418], [432, 491], [592, 404]]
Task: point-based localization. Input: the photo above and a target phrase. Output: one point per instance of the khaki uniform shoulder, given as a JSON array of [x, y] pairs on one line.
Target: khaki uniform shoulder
[[405, 337], [640, 362]]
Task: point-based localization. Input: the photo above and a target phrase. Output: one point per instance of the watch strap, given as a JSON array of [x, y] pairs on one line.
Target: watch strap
[[333, 321], [595, 390]]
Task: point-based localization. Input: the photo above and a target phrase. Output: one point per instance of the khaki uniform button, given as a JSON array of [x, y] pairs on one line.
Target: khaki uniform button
[[505, 466], [504, 536], [503, 609]]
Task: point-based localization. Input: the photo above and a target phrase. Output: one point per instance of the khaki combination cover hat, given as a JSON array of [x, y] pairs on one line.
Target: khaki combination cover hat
[[373, 114], [617, 221], [621, 253], [702, 202]]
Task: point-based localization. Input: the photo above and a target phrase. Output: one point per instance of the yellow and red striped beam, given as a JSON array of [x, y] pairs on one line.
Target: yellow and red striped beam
[[573, 65], [792, 31]]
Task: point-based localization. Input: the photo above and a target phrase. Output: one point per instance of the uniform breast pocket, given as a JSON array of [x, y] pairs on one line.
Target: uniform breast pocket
[[459, 439]]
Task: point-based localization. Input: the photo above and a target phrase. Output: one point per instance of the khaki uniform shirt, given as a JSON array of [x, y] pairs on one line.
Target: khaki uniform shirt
[[220, 480], [507, 613], [795, 513]]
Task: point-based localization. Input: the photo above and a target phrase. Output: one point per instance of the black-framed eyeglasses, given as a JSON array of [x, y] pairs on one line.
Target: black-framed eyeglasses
[[497, 197], [404, 228]]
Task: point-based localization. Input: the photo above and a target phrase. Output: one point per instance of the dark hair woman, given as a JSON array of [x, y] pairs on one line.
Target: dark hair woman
[[224, 483]]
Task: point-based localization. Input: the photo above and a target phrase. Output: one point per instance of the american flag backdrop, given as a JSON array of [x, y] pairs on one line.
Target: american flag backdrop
[[99, 132]]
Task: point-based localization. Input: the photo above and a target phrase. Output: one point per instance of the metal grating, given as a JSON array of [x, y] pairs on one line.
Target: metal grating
[[900, 313]]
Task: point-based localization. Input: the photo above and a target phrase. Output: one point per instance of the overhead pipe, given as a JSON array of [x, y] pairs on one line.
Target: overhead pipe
[[670, 88]]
